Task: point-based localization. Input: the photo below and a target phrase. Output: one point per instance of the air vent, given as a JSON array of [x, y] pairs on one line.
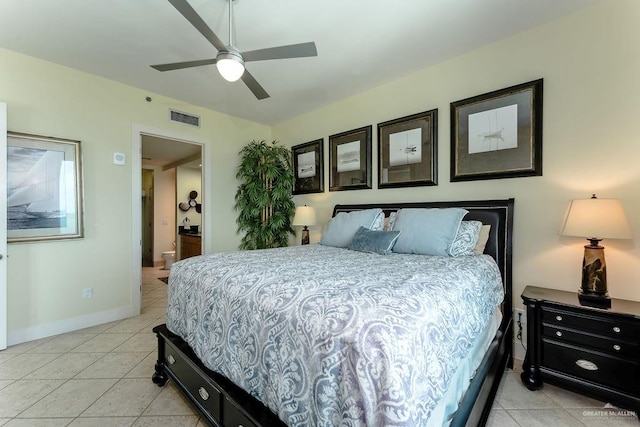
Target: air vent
[[179, 116]]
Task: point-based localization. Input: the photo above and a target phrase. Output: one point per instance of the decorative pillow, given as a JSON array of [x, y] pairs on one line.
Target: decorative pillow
[[483, 237], [378, 222], [389, 221], [341, 228], [377, 242], [427, 231], [466, 239]]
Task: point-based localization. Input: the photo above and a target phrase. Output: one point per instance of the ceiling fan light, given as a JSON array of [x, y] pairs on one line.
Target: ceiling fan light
[[230, 65]]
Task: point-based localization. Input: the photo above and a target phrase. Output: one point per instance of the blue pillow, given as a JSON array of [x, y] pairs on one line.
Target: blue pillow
[[377, 242], [341, 228], [427, 231]]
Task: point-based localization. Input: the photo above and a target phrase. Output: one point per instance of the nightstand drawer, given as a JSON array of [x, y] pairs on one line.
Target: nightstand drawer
[[597, 324], [591, 366], [610, 346]]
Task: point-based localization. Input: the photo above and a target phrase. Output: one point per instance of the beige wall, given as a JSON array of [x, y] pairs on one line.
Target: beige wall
[[45, 280], [164, 234], [590, 65]]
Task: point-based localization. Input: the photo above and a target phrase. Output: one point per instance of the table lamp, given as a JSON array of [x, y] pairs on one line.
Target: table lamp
[[595, 219], [305, 216]]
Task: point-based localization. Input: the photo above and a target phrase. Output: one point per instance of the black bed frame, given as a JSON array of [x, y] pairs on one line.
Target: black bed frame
[[222, 403]]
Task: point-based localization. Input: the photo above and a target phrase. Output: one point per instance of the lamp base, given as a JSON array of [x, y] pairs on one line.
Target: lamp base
[[305, 236], [594, 300]]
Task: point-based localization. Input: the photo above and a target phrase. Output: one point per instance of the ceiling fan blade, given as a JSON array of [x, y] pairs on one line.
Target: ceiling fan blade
[[299, 50], [192, 16], [254, 86], [181, 65]]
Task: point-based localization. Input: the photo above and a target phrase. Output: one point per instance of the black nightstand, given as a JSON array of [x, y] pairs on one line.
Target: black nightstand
[[592, 351]]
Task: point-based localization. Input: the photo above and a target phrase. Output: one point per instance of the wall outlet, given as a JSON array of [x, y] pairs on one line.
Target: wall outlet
[[87, 293], [520, 314]]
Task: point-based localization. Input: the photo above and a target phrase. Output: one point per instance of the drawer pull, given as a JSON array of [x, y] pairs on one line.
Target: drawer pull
[[559, 318], [616, 347], [585, 364], [616, 329], [171, 360], [203, 393], [558, 333]]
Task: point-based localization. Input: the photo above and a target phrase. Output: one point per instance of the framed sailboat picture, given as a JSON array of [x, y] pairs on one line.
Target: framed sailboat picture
[[44, 188]]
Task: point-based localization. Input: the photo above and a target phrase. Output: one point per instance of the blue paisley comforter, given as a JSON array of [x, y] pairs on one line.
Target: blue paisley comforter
[[326, 336]]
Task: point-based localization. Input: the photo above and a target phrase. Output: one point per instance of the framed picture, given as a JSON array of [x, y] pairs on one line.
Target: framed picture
[[44, 188], [407, 151], [498, 134], [308, 167], [350, 160]]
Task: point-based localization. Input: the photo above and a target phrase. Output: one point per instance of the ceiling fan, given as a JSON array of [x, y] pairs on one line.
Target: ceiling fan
[[229, 60]]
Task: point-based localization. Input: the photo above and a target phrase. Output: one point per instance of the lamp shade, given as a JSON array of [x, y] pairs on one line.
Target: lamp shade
[[230, 65], [596, 218], [305, 215]]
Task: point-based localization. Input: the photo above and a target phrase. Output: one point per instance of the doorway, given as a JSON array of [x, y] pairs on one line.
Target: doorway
[[162, 153]]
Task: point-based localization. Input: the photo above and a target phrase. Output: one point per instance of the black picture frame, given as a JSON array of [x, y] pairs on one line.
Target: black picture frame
[[308, 167], [350, 160], [498, 134], [407, 151]]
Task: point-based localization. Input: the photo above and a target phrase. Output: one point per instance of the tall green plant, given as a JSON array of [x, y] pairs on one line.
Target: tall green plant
[[264, 200]]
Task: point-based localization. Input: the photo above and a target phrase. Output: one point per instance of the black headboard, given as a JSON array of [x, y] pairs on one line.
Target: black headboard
[[496, 213]]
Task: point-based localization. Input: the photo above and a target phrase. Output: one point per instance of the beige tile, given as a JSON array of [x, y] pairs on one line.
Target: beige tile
[[24, 364], [171, 421], [128, 397], [544, 418], [65, 367], [169, 402], [158, 293], [112, 365], [154, 312], [160, 302], [144, 369], [567, 399], [500, 418], [62, 343], [98, 329], [512, 394], [4, 383], [6, 356], [103, 422], [39, 422], [3, 421], [25, 346], [20, 395], [605, 416], [132, 325], [142, 342], [102, 343], [70, 399]]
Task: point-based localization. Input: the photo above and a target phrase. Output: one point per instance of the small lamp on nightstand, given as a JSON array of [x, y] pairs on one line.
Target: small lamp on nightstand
[[595, 219], [305, 216]]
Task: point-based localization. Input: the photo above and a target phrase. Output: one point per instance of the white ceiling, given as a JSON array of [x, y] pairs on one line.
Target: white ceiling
[[361, 43]]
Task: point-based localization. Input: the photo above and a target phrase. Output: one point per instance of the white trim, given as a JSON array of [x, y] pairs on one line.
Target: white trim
[[136, 198], [3, 227], [67, 325]]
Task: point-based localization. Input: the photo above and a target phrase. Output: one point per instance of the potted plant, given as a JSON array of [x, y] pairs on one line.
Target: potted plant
[[264, 198]]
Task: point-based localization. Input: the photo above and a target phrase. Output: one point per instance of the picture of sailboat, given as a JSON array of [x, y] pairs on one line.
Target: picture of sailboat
[[36, 194]]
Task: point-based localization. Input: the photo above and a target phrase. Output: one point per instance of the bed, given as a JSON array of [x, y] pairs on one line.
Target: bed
[[258, 350]]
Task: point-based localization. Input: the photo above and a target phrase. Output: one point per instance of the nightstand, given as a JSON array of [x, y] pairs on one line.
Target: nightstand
[[592, 351]]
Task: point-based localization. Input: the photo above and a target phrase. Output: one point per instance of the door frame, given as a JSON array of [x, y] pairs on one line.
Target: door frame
[[138, 130], [4, 298]]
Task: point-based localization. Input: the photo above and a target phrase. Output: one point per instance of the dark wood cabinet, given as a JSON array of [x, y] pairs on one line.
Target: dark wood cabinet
[[592, 351], [190, 246]]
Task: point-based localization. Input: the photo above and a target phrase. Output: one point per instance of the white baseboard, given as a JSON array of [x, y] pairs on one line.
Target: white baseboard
[[67, 325]]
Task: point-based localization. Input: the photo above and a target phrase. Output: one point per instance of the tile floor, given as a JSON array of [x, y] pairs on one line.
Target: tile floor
[[101, 376]]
